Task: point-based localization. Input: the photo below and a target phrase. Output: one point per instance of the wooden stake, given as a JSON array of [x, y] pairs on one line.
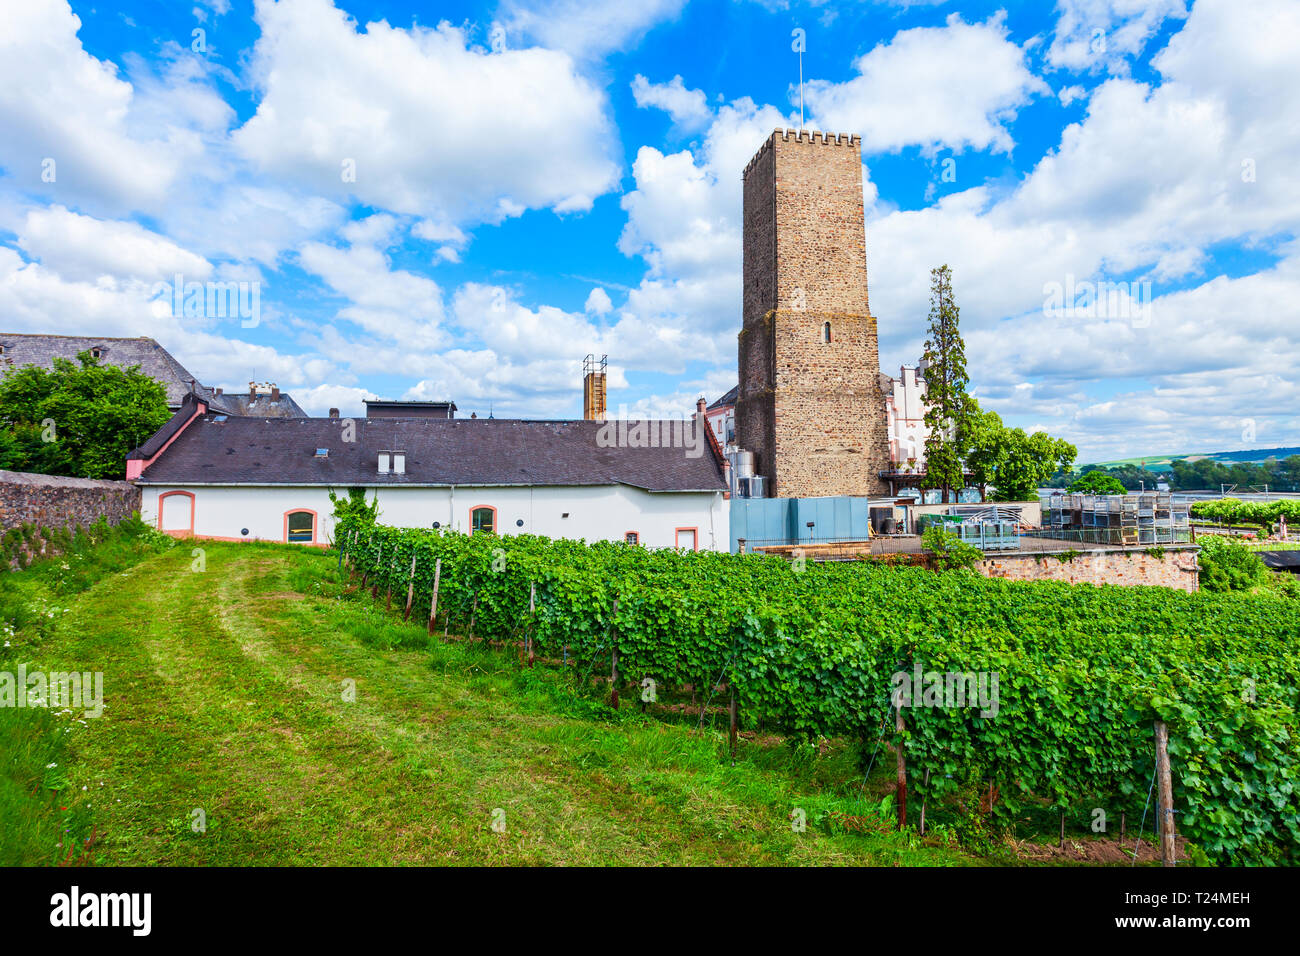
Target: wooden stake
[[902, 770], [388, 593], [433, 605], [532, 613], [613, 677], [1062, 844], [1165, 800], [473, 612], [735, 722], [924, 799], [410, 591], [1122, 825]]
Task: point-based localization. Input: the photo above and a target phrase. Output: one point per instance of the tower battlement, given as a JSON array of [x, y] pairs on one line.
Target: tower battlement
[[810, 137]]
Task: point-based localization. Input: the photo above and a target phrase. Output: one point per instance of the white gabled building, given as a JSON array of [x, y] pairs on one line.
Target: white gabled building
[[228, 478]]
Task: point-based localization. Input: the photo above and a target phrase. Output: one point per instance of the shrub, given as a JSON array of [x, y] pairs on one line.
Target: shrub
[[1228, 565], [949, 550]]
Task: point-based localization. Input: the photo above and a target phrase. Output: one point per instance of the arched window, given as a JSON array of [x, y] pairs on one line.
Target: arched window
[[483, 518], [826, 332], [300, 526]]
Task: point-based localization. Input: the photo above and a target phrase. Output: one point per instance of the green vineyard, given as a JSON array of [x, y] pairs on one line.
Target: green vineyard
[[1081, 672]]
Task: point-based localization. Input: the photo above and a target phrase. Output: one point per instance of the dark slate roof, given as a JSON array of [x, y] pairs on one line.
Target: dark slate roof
[[728, 399], [154, 360], [164, 434], [457, 451], [260, 407]]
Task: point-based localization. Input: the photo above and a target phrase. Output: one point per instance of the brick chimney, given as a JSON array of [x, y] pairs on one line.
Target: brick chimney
[[699, 405], [217, 392], [275, 393]]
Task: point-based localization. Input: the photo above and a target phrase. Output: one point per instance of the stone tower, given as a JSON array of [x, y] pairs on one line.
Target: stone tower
[[810, 406]]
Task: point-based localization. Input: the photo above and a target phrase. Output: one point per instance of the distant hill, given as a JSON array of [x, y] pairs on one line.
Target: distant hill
[[1165, 462]]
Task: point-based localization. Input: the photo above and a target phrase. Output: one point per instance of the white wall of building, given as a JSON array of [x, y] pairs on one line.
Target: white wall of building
[[905, 416], [605, 512]]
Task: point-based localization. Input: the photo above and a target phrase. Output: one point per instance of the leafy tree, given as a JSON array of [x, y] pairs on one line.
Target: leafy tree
[[986, 448], [1015, 463], [78, 420], [1028, 461], [947, 405], [1097, 483]]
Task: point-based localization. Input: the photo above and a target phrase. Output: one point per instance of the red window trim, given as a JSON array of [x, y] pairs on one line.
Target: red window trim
[[315, 525], [176, 534], [496, 528], [696, 537], [638, 537]]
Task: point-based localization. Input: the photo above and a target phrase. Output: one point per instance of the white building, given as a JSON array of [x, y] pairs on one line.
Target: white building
[[227, 478], [905, 416]]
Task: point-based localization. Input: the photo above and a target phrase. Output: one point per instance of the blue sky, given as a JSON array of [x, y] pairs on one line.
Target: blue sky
[[461, 200]]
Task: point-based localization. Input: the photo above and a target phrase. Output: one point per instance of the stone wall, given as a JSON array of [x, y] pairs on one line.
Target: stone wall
[[1174, 568], [51, 501], [810, 410]]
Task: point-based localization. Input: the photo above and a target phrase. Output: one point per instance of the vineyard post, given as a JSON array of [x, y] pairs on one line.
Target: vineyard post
[[473, 611], [613, 677], [924, 798], [613, 670], [1165, 799], [1123, 825], [374, 590], [902, 769], [388, 592], [532, 613], [410, 591], [433, 605], [731, 732]]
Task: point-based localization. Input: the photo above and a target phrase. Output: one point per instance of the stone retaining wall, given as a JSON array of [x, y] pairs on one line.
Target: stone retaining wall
[[53, 501], [1175, 567]]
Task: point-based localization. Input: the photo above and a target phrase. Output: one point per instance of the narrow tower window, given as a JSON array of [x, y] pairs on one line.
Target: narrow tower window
[[826, 332]]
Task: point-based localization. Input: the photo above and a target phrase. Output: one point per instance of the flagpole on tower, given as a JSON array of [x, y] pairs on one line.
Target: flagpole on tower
[[800, 41]]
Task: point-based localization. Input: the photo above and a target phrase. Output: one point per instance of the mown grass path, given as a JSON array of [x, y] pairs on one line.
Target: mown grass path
[[225, 692]]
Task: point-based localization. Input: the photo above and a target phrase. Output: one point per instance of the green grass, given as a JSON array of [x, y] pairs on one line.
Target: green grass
[[225, 693]]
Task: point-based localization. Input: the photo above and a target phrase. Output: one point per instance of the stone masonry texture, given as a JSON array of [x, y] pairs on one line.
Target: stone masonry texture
[[811, 411], [51, 501], [1172, 568]]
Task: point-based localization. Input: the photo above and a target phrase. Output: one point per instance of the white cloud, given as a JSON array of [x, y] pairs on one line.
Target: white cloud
[[59, 105], [583, 28], [689, 109], [318, 400], [1097, 34], [82, 247], [956, 86], [391, 305], [430, 125], [598, 302]]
